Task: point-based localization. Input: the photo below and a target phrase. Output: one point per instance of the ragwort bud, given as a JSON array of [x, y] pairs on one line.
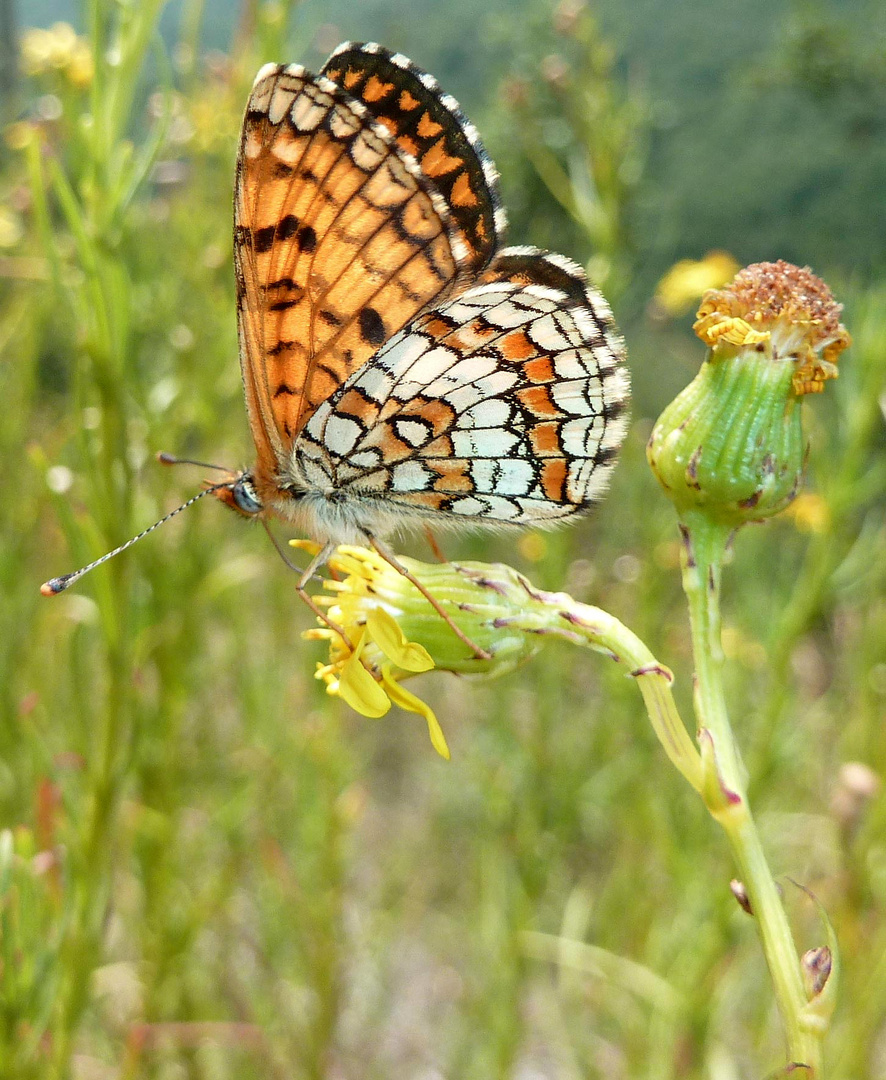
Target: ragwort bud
[[731, 445]]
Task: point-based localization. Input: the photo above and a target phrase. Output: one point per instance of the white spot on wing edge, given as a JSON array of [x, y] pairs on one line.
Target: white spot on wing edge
[[344, 47], [615, 432], [519, 250], [342, 122], [260, 98], [586, 480], [617, 384], [267, 70], [568, 265], [307, 114], [460, 250]]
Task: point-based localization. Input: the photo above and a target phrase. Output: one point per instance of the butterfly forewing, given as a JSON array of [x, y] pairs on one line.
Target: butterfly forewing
[[428, 124], [505, 404], [339, 242]]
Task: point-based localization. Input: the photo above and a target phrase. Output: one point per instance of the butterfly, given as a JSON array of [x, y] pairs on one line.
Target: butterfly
[[400, 368]]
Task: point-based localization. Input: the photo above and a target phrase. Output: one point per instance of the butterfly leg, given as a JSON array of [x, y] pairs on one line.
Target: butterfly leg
[[301, 588], [433, 545], [390, 557]]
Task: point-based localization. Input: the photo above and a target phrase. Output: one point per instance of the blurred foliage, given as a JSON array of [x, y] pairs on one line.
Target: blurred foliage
[[585, 136], [212, 870]]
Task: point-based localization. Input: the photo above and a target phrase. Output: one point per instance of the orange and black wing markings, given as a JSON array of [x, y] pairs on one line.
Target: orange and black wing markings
[[505, 404], [339, 241], [429, 125]]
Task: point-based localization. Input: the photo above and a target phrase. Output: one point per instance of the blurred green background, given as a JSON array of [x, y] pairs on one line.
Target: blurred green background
[[210, 869]]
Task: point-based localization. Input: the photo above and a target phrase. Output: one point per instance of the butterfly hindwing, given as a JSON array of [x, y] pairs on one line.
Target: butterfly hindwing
[[504, 404]]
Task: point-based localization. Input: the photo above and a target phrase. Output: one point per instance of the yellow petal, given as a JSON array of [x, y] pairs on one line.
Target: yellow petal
[[715, 326], [306, 545], [347, 561], [411, 703], [358, 688], [387, 634]]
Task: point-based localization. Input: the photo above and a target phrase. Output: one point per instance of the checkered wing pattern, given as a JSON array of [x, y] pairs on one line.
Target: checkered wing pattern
[[341, 236], [503, 405], [428, 125]]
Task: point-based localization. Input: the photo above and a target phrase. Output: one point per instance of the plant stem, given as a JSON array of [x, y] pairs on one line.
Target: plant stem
[[726, 791]]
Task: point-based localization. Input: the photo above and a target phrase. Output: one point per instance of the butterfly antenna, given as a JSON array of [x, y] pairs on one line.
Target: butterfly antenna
[[171, 459], [58, 584]]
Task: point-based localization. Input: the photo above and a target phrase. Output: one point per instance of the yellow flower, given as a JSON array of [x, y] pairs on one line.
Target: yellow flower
[[384, 616], [36, 49], [784, 310], [367, 676], [62, 44], [10, 228], [688, 280], [80, 68], [810, 513], [57, 49]]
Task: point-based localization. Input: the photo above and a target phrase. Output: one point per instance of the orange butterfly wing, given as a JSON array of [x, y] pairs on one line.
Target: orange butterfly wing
[[428, 125], [340, 240]]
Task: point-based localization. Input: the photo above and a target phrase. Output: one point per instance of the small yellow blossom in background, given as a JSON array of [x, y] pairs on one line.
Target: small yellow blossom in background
[[215, 105], [810, 513], [57, 49], [688, 280], [11, 229], [18, 136], [533, 546], [211, 125]]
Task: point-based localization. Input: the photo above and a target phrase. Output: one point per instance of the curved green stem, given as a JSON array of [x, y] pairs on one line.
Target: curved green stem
[[725, 790]]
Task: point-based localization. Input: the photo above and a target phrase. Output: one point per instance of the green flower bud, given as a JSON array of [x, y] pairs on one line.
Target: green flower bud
[[731, 445]]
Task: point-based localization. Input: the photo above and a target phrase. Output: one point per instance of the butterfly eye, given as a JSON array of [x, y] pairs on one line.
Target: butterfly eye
[[245, 496]]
